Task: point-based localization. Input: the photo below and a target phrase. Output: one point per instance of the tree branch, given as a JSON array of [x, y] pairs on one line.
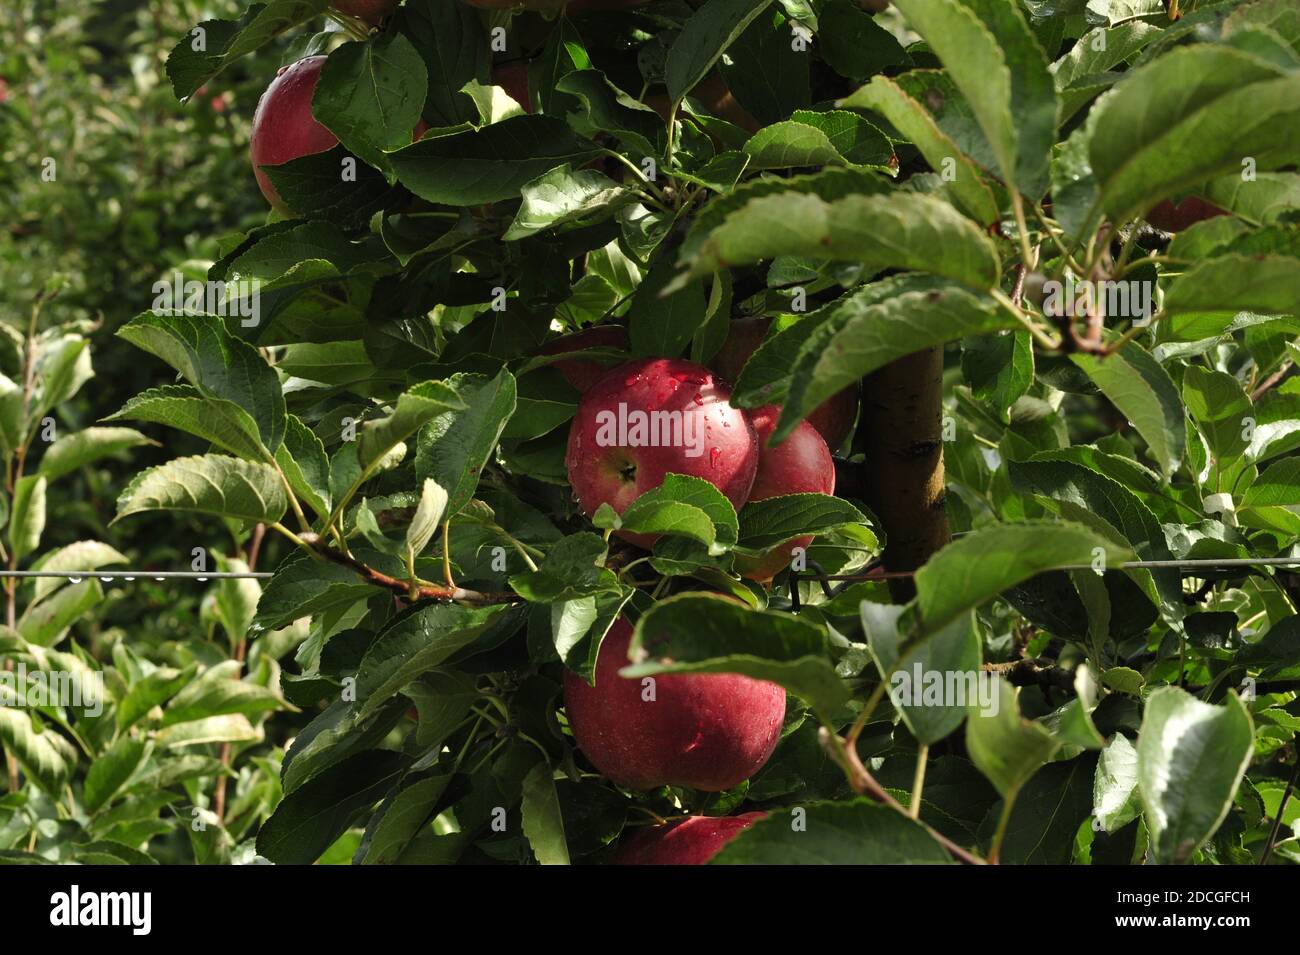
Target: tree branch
[[422, 590], [901, 431]]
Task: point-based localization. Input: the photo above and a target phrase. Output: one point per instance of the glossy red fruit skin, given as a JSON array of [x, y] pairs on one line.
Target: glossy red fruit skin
[[833, 418], [284, 127], [692, 841], [602, 472], [706, 731], [582, 373], [801, 464], [1175, 218], [371, 11]]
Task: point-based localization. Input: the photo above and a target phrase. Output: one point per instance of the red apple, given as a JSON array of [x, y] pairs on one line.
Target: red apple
[[801, 464], [1175, 218], [582, 373], [283, 125], [513, 78], [708, 731], [652, 417], [371, 11], [692, 841], [833, 418]]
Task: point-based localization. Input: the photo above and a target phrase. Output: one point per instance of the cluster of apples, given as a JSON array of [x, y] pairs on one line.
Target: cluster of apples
[[689, 403], [704, 731]]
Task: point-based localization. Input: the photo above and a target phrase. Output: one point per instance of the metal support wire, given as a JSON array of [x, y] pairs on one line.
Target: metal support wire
[[107, 575], [1227, 563]]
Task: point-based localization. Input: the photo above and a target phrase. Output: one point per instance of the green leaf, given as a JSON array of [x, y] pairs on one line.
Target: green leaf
[[699, 633], [218, 691], [659, 325], [1277, 486], [455, 47], [791, 144], [1115, 795], [566, 198], [46, 623], [80, 448], [704, 38], [153, 689], [775, 520], [1221, 410], [1142, 390], [967, 187], [607, 109], [418, 640], [933, 685], [237, 599], [1190, 760], [1085, 70], [415, 408], [1232, 283], [573, 567], [1186, 117], [302, 459], [543, 824], [79, 555], [214, 44], [27, 520], [1086, 497], [400, 819], [856, 832], [45, 757], [110, 770], [1007, 748], [454, 446], [977, 567], [224, 423], [370, 94], [900, 230], [303, 586], [682, 505], [1045, 820], [336, 734], [62, 367], [216, 363], [887, 321], [992, 56], [489, 164], [208, 484], [309, 819], [428, 515], [829, 184]]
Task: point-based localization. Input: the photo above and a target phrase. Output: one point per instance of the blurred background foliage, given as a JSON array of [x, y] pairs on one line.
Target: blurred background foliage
[[107, 185]]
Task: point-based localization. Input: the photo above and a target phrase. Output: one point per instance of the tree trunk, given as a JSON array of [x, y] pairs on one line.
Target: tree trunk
[[901, 431]]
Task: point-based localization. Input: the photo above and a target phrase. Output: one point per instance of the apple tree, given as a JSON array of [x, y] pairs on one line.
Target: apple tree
[[845, 435]]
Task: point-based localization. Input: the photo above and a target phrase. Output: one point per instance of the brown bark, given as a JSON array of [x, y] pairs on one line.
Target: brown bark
[[901, 431]]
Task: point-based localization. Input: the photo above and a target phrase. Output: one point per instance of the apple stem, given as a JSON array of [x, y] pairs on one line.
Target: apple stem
[[918, 780]]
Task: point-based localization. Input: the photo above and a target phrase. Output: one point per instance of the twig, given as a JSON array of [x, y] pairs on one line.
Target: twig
[[422, 590], [1271, 380], [864, 784], [1281, 807]]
